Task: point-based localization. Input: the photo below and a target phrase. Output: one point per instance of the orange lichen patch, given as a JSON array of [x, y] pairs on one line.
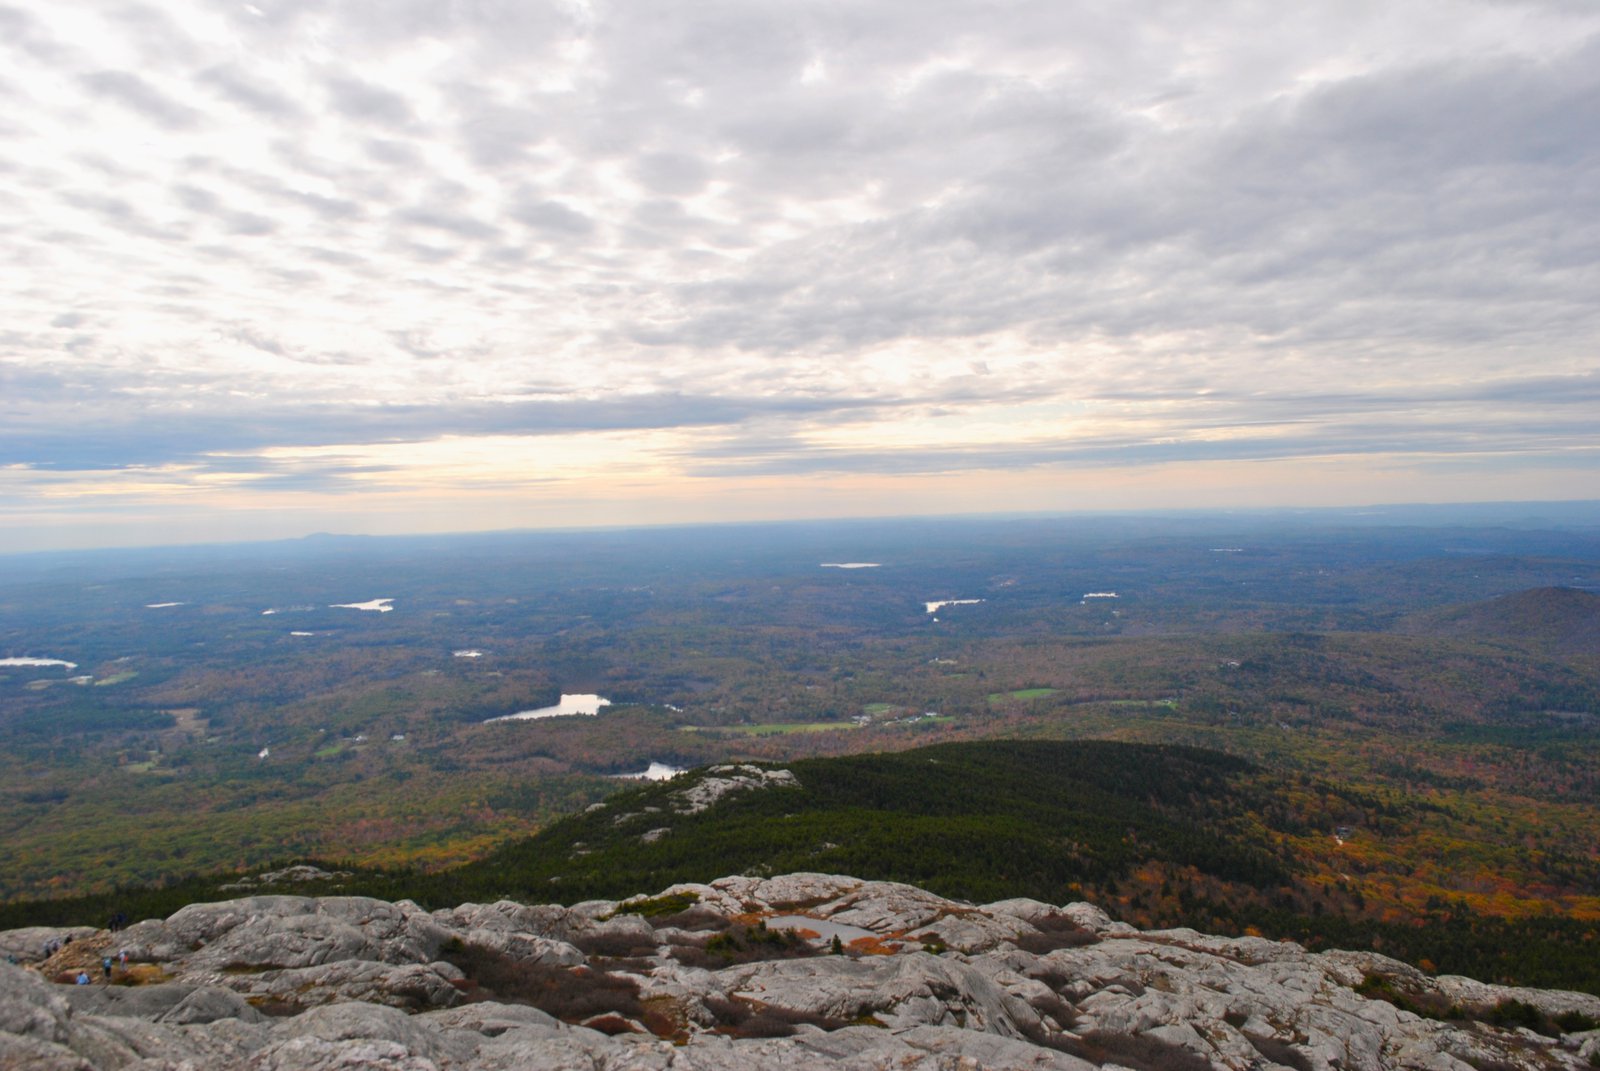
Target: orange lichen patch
[[613, 1024], [140, 974], [84, 953], [800, 931], [667, 1018], [872, 946]]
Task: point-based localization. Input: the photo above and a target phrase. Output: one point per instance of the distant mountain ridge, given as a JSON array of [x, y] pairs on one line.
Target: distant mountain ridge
[[1551, 620]]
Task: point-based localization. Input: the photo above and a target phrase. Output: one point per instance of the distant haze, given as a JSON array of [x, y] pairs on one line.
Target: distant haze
[[274, 268]]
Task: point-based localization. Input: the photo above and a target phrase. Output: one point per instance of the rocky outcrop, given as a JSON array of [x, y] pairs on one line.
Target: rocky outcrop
[[692, 978], [720, 781]]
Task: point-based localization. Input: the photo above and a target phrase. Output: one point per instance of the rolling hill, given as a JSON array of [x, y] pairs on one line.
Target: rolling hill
[[1556, 621]]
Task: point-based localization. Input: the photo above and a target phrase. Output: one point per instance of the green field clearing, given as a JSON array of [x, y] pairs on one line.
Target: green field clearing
[[1024, 693], [773, 729]]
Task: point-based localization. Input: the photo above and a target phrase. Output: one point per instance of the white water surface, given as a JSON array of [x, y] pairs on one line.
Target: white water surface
[[823, 928], [851, 565], [380, 606], [570, 705], [162, 605], [656, 771], [933, 607], [37, 662]]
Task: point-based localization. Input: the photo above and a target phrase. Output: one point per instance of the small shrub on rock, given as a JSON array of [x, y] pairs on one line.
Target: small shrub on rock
[[741, 944], [698, 918], [569, 993], [1280, 1052], [1139, 1052], [656, 906], [1514, 1013], [744, 1019], [1055, 931], [1575, 1022], [1428, 1005]]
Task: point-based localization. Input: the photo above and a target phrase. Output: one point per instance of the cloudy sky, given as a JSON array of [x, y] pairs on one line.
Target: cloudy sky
[[280, 266]]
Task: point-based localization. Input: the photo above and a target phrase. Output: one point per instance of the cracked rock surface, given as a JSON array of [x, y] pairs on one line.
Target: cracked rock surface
[[289, 983]]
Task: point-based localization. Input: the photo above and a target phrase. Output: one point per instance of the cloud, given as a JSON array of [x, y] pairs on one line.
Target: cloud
[[23, 32], [250, 93], [672, 173], [443, 219], [363, 101], [135, 94], [872, 238], [551, 217]]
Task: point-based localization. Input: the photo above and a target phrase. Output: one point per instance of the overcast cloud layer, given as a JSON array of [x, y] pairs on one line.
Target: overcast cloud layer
[[391, 264]]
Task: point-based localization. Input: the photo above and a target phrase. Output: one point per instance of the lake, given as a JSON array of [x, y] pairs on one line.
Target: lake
[[934, 607], [824, 929], [37, 662], [569, 705], [657, 771], [381, 606]]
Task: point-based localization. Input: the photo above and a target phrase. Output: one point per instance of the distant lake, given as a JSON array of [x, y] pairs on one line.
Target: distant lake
[[37, 662], [569, 705], [657, 771], [933, 607], [850, 565], [381, 606]]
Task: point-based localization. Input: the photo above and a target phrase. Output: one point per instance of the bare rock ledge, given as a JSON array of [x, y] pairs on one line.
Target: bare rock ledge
[[692, 980]]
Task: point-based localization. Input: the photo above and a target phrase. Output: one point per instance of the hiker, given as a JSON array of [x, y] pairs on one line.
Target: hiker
[[83, 978], [123, 955], [106, 963]]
